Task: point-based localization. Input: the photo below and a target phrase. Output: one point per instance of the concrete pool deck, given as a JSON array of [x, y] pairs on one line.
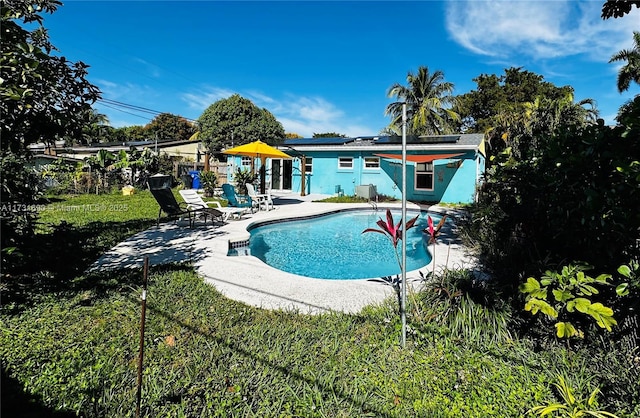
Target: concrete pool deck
[[247, 279]]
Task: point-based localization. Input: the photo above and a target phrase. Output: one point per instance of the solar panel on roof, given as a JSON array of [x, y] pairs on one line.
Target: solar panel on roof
[[317, 141]]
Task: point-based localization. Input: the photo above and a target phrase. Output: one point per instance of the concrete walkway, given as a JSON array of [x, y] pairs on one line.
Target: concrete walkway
[[247, 279]]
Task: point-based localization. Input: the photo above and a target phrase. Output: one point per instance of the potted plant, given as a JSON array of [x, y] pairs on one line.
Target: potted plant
[[241, 178], [208, 182]]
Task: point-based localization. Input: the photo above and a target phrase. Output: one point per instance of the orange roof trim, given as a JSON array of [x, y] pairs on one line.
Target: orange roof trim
[[420, 158]]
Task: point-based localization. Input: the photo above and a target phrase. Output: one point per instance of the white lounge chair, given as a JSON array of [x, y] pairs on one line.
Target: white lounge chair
[[263, 200], [194, 201]]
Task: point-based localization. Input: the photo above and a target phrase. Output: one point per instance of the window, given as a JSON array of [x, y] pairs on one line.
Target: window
[[371, 163], [345, 162], [246, 161], [424, 176], [308, 165]]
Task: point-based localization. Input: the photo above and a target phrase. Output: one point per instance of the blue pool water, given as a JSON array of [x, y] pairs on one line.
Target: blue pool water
[[334, 247]]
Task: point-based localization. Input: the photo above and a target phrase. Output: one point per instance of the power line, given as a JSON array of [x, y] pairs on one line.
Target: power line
[[124, 111], [117, 105]]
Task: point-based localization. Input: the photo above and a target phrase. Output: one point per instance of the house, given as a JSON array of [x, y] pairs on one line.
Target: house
[[190, 150], [444, 168]]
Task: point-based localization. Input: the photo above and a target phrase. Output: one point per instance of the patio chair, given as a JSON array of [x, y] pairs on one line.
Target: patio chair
[[263, 200], [174, 210], [194, 201], [169, 205], [236, 200]]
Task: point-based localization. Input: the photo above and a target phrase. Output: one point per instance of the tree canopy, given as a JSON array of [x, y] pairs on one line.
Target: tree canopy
[[328, 135], [236, 121], [618, 8], [43, 97], [496, 94], [169, 126]]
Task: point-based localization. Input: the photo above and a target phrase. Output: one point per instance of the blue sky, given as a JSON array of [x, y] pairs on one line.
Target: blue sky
[[326, 66]]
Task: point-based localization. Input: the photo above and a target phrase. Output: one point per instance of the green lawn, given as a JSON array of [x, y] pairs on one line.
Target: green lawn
[[69, 346], [82, 210]]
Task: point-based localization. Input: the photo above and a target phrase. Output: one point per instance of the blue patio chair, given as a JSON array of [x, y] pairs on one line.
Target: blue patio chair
[[236, 200]]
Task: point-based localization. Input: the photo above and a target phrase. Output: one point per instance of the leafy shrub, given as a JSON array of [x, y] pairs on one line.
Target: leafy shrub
[[573, 292], [542, 204], [241, 178], [573, 405], [463, 307], [209, 181]]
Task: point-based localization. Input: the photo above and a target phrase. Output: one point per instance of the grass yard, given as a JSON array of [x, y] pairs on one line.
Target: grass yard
[[87, 209], [69, 345], [210, 356]]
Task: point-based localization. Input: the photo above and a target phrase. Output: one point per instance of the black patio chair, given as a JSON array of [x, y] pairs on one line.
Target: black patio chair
[[174, 210], [170, 206]]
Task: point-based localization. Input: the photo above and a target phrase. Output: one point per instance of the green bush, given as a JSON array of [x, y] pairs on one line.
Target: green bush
[[541, 204], [462, 307], [241, 178], [209, 181]]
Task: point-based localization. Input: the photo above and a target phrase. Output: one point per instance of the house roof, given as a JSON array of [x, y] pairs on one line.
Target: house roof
[[388, 143]]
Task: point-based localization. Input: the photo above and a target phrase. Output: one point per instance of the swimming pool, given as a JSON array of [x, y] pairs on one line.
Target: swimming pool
[[333, 246]]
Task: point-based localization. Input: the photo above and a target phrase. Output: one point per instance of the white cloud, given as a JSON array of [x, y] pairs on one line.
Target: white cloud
[[150, 69], [538, 29], [201, 101], [299, 114]]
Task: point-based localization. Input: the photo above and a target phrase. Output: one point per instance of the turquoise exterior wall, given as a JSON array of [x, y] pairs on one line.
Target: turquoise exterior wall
[[455, 180]]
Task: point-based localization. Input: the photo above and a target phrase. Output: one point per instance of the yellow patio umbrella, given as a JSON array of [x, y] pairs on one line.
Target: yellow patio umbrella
[[258, 149]]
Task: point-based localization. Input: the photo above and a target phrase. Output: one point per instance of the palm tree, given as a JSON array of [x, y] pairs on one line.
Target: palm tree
[[428, 98], [631, 70], [96, 125]]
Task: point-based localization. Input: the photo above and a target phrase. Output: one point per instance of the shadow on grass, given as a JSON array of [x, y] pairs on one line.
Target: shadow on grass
[[19, 404], [14, 398], [51, 262]]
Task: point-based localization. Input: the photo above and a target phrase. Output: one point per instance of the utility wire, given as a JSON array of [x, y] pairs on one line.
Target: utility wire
[[117, 105], [124, 111]]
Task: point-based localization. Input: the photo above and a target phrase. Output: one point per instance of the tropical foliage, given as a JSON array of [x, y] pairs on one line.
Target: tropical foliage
[[96, 129], [573, 405], [394, 232], [495, 95], [630, 71], [429, 100], [243, 176], [541, 201], [618, 8], [209, 181], [43, 98], [573, 293]]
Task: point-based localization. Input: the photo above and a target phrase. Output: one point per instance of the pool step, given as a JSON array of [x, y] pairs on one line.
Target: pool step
[[238, 247]]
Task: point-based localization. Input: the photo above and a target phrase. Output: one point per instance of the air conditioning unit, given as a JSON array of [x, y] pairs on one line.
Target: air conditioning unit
[[366, 191]]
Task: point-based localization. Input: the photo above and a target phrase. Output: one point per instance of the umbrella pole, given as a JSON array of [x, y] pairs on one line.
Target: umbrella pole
[[263, 174]]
